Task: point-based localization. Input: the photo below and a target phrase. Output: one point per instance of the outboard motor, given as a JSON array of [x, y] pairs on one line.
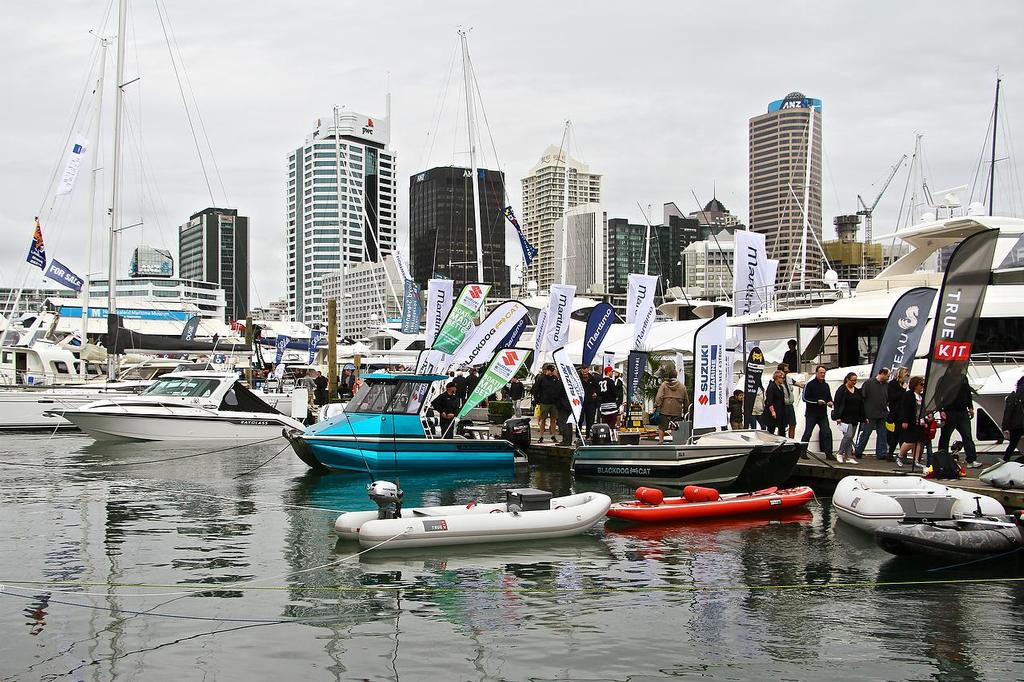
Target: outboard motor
[[388, 498], [600, 434], [517, 431]]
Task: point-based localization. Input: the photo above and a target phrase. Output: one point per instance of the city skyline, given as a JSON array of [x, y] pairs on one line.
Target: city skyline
[[657, 119]]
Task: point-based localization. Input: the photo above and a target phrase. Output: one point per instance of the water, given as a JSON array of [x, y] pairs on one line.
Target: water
[[732, 601]]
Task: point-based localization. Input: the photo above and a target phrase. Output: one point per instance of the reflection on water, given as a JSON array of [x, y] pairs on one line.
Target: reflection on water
[[726, 599]]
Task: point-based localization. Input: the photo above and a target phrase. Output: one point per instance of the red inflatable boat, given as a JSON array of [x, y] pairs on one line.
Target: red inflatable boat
[[652, 506]]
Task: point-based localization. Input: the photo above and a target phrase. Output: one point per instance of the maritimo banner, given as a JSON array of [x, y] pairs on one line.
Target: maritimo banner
[[904, 329], [967, 277]]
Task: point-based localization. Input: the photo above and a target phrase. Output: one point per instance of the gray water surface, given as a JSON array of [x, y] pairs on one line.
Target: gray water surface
[[118, 536]]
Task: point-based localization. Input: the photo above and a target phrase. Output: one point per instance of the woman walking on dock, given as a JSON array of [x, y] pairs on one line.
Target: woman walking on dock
[[774, 414], [848, 413], [912, 433]]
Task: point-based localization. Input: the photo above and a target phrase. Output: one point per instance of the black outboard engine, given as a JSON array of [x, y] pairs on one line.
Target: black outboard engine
[[517, 431], [600, 434], [388, 498]]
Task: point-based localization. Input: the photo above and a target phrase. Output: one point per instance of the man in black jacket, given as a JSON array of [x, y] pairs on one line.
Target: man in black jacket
[[875, 393], [447, 405], [516, 391], [817, 401], [791, 358], [546, 391], [591, 398], [959, 413]]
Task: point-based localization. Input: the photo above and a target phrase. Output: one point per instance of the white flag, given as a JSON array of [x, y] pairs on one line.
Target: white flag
[[440, 296], [403, 271], [711, 381], [432, 362], [481, 342], [559, 310], [570, 381], [640, 306], [539, 335], [750, 271], [75, 156]]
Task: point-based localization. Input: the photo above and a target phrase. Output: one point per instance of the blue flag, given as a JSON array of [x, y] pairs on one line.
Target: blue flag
[[316, 336], [411, 308], [37, 252], [514, 334], [529, 250], [62, 274], [281, 343], [598, 324]]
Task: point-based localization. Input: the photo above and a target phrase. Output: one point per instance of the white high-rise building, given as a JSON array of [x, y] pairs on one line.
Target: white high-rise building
[[322, 238], [544, 202], [708, 264], [584, 248], [373, 296]]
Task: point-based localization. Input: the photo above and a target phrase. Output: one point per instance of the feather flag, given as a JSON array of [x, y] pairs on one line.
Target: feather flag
[[37, 252], [529, 250]]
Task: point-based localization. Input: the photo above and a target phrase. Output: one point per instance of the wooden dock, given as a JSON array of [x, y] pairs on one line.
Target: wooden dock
[[822, 474]]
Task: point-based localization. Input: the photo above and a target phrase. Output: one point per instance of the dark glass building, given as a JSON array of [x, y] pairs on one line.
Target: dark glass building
[[442, 240], [625, 251], [213, 246]]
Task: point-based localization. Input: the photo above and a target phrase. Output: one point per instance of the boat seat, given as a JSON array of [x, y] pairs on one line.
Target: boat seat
[[927, 506]]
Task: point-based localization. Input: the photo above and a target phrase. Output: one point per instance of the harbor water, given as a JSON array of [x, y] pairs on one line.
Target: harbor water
[[107, 549]]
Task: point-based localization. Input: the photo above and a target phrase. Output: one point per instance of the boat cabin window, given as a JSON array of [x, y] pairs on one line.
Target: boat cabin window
[[183, 387], [394, 397], [60, 367]]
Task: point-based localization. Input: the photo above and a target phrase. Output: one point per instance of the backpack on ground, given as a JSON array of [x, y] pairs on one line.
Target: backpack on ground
[[945, 466]]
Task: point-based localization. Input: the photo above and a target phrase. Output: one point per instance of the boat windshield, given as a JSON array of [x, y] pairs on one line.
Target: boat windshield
[[183, 387], [393, 397]]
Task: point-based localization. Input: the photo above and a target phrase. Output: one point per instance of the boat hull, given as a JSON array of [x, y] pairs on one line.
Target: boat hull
[[387, 455], [474, 524], [949, 540], [737, 504], [180, 428]]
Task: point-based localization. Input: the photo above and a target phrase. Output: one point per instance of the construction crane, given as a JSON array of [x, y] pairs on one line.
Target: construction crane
[[866, 210]]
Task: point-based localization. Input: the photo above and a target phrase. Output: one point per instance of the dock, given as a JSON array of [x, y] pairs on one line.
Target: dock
[[822, 474]]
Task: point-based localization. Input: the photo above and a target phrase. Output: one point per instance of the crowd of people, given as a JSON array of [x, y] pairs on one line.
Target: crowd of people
[[603, 396]]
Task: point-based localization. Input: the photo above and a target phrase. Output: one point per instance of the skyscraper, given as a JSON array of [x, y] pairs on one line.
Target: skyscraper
[[442, 232], [323, 237], [779, 187], [584, 248], [213, 246], [544, 201], [625, 250]]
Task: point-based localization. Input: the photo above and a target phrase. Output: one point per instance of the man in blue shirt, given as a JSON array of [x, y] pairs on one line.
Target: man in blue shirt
[[817, 401]]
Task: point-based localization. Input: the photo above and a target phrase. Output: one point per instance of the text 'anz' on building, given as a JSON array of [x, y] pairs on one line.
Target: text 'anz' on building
[[442, 237]]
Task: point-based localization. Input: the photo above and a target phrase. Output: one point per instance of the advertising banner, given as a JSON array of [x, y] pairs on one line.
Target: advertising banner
[[500, 371], [752, 373], [440, 295], [559, 311], [711, 385], [411, 308], [190, 329], [600, 321], [571, 382], [460, 318], [281, 343], [539, 334], [316, 336], [75, 156], [485, 337], [636, 367], [903, 331], [640, 312], [62, 274], [750, 273]]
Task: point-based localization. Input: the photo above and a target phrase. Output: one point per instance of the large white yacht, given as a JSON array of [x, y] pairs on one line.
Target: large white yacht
[[853, 323], [183, 406]]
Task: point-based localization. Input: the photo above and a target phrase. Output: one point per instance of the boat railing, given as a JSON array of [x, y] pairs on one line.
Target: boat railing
[[33, 379], [994, 359]]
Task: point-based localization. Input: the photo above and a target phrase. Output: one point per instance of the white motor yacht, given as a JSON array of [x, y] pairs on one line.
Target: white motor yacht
[[183, 406]]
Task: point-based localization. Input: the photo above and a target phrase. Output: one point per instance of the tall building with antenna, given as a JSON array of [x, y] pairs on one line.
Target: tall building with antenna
[[325, 235], [544, 202], [782, 187]]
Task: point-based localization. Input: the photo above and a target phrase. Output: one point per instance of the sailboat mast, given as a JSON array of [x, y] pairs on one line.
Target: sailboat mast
[[807, 198], [471, 125], [92, 201], [565, 203], [115, 197], [342, 229], [992, 164]]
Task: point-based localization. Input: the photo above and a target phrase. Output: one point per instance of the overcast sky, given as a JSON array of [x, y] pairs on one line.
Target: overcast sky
[[659, 94]]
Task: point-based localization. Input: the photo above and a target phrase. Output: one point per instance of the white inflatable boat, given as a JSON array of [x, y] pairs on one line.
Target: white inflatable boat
[[871, 502], [527, 514], [1004, 475]]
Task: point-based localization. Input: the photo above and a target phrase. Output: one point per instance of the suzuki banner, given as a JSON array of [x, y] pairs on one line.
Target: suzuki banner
[[903, 331], [559, 311], [750, 273], [460, 318], [600, 321], [968, 274], [499, 372], [640, 306], [571, 382], [711, 376], [440, 294], [752, 373], [484, 339]]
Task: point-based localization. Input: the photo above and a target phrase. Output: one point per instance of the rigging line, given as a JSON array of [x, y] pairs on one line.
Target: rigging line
[[980, 163], [195, 103], [438, 111], [832, 178], [184, 103]]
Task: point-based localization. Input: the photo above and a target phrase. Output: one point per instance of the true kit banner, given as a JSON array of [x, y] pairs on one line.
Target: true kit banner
[[559, 312], [753, 371], [502, 368], [411, 308], [636, 367], [640, 293], [711, 394], [316, 336], [63, 275], [600, 321], [903, 330], [484, 339], [961, 297], [460, 318], [281, 344], [440, 295], [570, 381], [750, 273]]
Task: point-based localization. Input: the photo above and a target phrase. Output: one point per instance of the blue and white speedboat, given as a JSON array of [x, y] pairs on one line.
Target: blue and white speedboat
[[384, 428]]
